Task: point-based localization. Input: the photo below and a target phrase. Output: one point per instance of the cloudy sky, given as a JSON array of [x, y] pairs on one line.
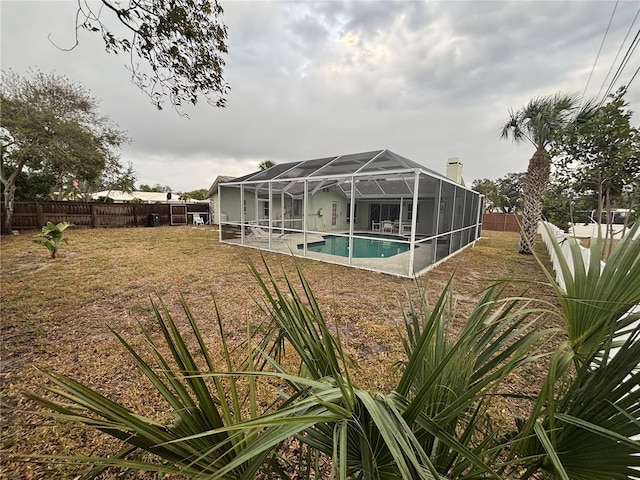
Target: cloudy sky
[[427, 80]]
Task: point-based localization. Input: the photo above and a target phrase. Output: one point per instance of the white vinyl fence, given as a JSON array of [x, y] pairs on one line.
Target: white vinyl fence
[[564, 240]]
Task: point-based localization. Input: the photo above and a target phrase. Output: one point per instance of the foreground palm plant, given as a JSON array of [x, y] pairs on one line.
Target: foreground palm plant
[[586, 423], [433, 425], [423, 429], [429, 426]]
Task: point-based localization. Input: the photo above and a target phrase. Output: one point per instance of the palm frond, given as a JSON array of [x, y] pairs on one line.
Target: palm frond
[[542, 119], [596, 300], [586, 422]]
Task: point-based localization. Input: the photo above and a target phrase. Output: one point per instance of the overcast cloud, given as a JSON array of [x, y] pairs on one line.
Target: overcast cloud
[[427, 80]]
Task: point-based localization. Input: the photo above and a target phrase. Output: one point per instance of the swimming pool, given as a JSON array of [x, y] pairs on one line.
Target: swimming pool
[[363, 247]]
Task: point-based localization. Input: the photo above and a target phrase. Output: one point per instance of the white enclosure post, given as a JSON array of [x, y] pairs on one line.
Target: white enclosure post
[[438, 208], [269, 203], [414, 215], [305, 215], [282, 212], [242, 219], [351, 217]]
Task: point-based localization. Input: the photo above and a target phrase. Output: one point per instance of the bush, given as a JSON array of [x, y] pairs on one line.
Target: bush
[[51, 236]]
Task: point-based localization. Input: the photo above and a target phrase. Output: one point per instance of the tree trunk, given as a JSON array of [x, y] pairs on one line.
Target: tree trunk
[[9, 189], [535, 186], [600, 205], [9, 194], [631, 206]]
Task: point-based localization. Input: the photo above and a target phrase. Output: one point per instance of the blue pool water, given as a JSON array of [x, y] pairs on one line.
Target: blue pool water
[[363, 247]]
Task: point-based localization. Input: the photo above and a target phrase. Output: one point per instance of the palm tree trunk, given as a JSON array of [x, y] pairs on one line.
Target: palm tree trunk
[[535, 186]]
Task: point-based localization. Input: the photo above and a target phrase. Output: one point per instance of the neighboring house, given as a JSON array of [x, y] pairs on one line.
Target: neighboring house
[[212, 195], [397, 207], [118, 196]]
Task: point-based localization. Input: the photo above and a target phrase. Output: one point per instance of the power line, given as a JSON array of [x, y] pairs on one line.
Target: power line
[[622, 66], [617, 54], [634, 76], [601, 45]]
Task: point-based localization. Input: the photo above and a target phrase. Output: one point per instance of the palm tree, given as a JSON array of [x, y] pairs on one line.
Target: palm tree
[[540, 122], [266, 164]]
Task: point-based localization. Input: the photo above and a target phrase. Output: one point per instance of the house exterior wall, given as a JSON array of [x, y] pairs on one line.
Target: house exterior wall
[[213, 208], [229, 204], [323, 200]]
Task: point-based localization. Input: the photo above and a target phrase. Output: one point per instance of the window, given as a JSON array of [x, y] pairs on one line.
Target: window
[[334, 214], [266, 209], [385, 211]]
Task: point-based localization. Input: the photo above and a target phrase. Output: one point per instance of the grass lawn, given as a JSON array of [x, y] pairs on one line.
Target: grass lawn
[[56, 314]]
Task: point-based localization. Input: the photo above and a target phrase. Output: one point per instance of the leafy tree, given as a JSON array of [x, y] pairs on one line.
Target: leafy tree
[[115, 176], [199, 194], [32, 186], [540, 122], [601, 157], [557, 206], [266, 164], [510, 188], [489, 189], [156, 188], [504, 193], [52, 126], [181, 41]]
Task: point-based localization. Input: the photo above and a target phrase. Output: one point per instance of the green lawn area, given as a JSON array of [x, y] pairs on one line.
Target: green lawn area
[[56, 314]]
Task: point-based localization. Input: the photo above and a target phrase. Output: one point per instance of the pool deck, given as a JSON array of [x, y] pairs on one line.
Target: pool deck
[[395, 265]]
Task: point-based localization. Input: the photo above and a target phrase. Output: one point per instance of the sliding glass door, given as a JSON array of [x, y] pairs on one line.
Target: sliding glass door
[[384, 211]]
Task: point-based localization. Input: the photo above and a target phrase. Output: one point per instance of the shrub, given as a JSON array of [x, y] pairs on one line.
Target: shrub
[[51, 236]]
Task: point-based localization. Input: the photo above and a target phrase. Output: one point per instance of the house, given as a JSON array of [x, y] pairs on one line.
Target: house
[[119, 196], [375, 210], [212, 195]]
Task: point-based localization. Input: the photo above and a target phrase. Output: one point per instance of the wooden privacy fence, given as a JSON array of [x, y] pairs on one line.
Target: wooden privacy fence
[[34, 215], [503, 222]]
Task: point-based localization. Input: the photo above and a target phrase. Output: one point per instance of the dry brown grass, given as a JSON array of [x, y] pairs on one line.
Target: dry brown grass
[[56, 313]]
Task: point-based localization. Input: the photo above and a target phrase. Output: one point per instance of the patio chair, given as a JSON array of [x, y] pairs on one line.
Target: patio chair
[[259, 235], [197, 219], [387, 226]]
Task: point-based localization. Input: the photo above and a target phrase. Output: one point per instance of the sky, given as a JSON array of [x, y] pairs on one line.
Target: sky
[[428, 80]]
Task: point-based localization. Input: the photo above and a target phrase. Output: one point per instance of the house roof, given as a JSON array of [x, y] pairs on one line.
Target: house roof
[[213, 189], [375, 173], [373, 162]]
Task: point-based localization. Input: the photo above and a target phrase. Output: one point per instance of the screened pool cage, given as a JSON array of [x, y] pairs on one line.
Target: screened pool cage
[[374, 210]]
